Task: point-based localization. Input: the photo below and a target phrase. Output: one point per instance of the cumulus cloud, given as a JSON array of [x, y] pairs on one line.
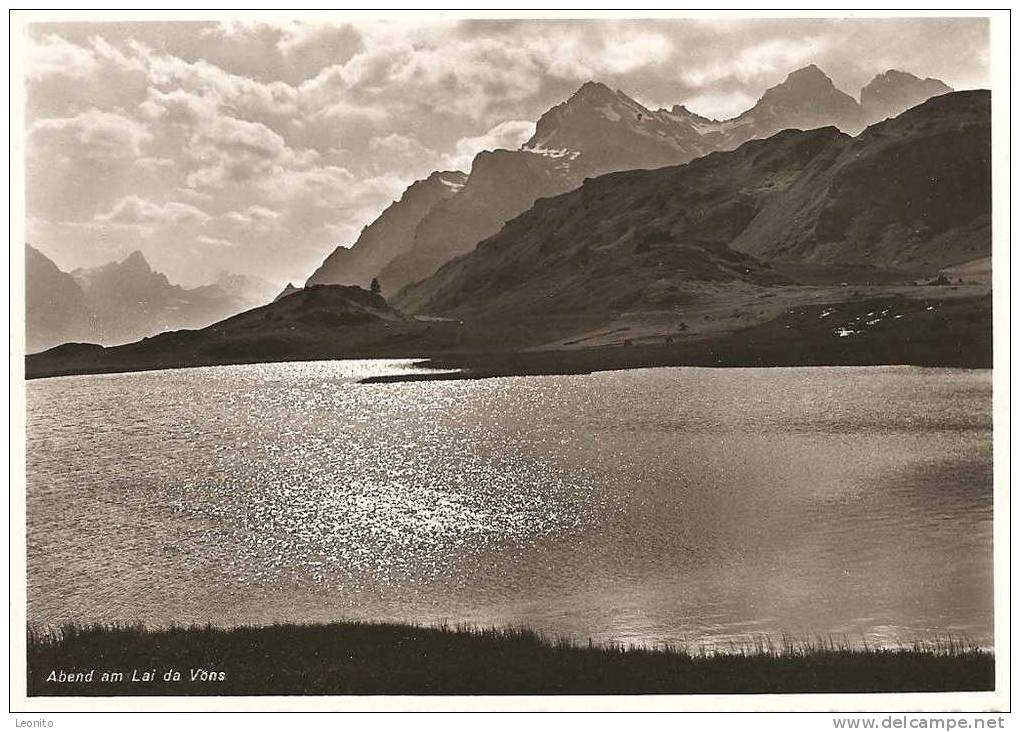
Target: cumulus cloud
[[330, 186], [347, 110], [757, 60], [229, 150], [432, 69], [325, 196], [397, 144], [580, 54], [636, 51], [289, 36], [298, 37], [179, 106], [193, 194], [253, 215], [235, 28], [261, 213], [53, 56], [221, 149], [242, 93], [214, 241], [155, 164], [405, 152], [136, 210], [720, 105], [504, 136], [95, 131]]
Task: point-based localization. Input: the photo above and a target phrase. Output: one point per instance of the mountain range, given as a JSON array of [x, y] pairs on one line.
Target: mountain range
[[909, 194], [380, 242], [807, 247], [596, 131], [119, 302]]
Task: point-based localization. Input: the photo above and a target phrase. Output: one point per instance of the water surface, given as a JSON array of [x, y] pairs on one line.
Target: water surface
[[675, 504]]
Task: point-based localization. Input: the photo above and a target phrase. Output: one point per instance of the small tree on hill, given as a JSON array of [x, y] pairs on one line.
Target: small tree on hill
[[375, 287]]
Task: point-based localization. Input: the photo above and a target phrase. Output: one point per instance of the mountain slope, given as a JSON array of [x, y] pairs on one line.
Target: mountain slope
[[502, 183], [651, 239], [55, 306], [806, 99], [389, 236], [894, 91], [638, 239], [913, 191], [288, 289], [596, 131]]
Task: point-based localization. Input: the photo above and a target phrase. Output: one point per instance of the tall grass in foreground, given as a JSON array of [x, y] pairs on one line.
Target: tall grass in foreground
[[383, 658]]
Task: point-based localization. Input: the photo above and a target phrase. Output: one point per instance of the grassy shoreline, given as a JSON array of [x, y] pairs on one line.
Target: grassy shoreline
[[958, 335], [384, 658], [954, 333]]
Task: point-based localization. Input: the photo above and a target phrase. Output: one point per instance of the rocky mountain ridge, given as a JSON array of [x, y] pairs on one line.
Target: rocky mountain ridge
[[911, 193], [596, 131]]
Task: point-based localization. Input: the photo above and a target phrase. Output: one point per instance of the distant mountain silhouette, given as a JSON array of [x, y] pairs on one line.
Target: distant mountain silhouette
[[596, 131], [806, 99], [56, 310], [249, 289], [894, 91], [119, 302], [311, 322], [289, 289]]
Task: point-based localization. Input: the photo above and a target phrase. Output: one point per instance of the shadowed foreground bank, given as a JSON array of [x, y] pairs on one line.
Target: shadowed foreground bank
[[366, 658], [876, 331], [949, 334]]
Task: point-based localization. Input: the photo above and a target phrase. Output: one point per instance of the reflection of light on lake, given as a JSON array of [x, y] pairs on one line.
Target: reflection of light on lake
[[365, 483], [642, 506]]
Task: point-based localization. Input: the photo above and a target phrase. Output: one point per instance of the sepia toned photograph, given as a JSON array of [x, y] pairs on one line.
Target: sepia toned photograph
[[451, 356]]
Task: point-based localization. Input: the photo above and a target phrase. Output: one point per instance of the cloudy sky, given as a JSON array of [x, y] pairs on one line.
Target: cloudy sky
[[257, 147]]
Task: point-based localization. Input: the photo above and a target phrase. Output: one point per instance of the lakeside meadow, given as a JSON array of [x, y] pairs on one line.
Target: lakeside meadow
[[388, 658]]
